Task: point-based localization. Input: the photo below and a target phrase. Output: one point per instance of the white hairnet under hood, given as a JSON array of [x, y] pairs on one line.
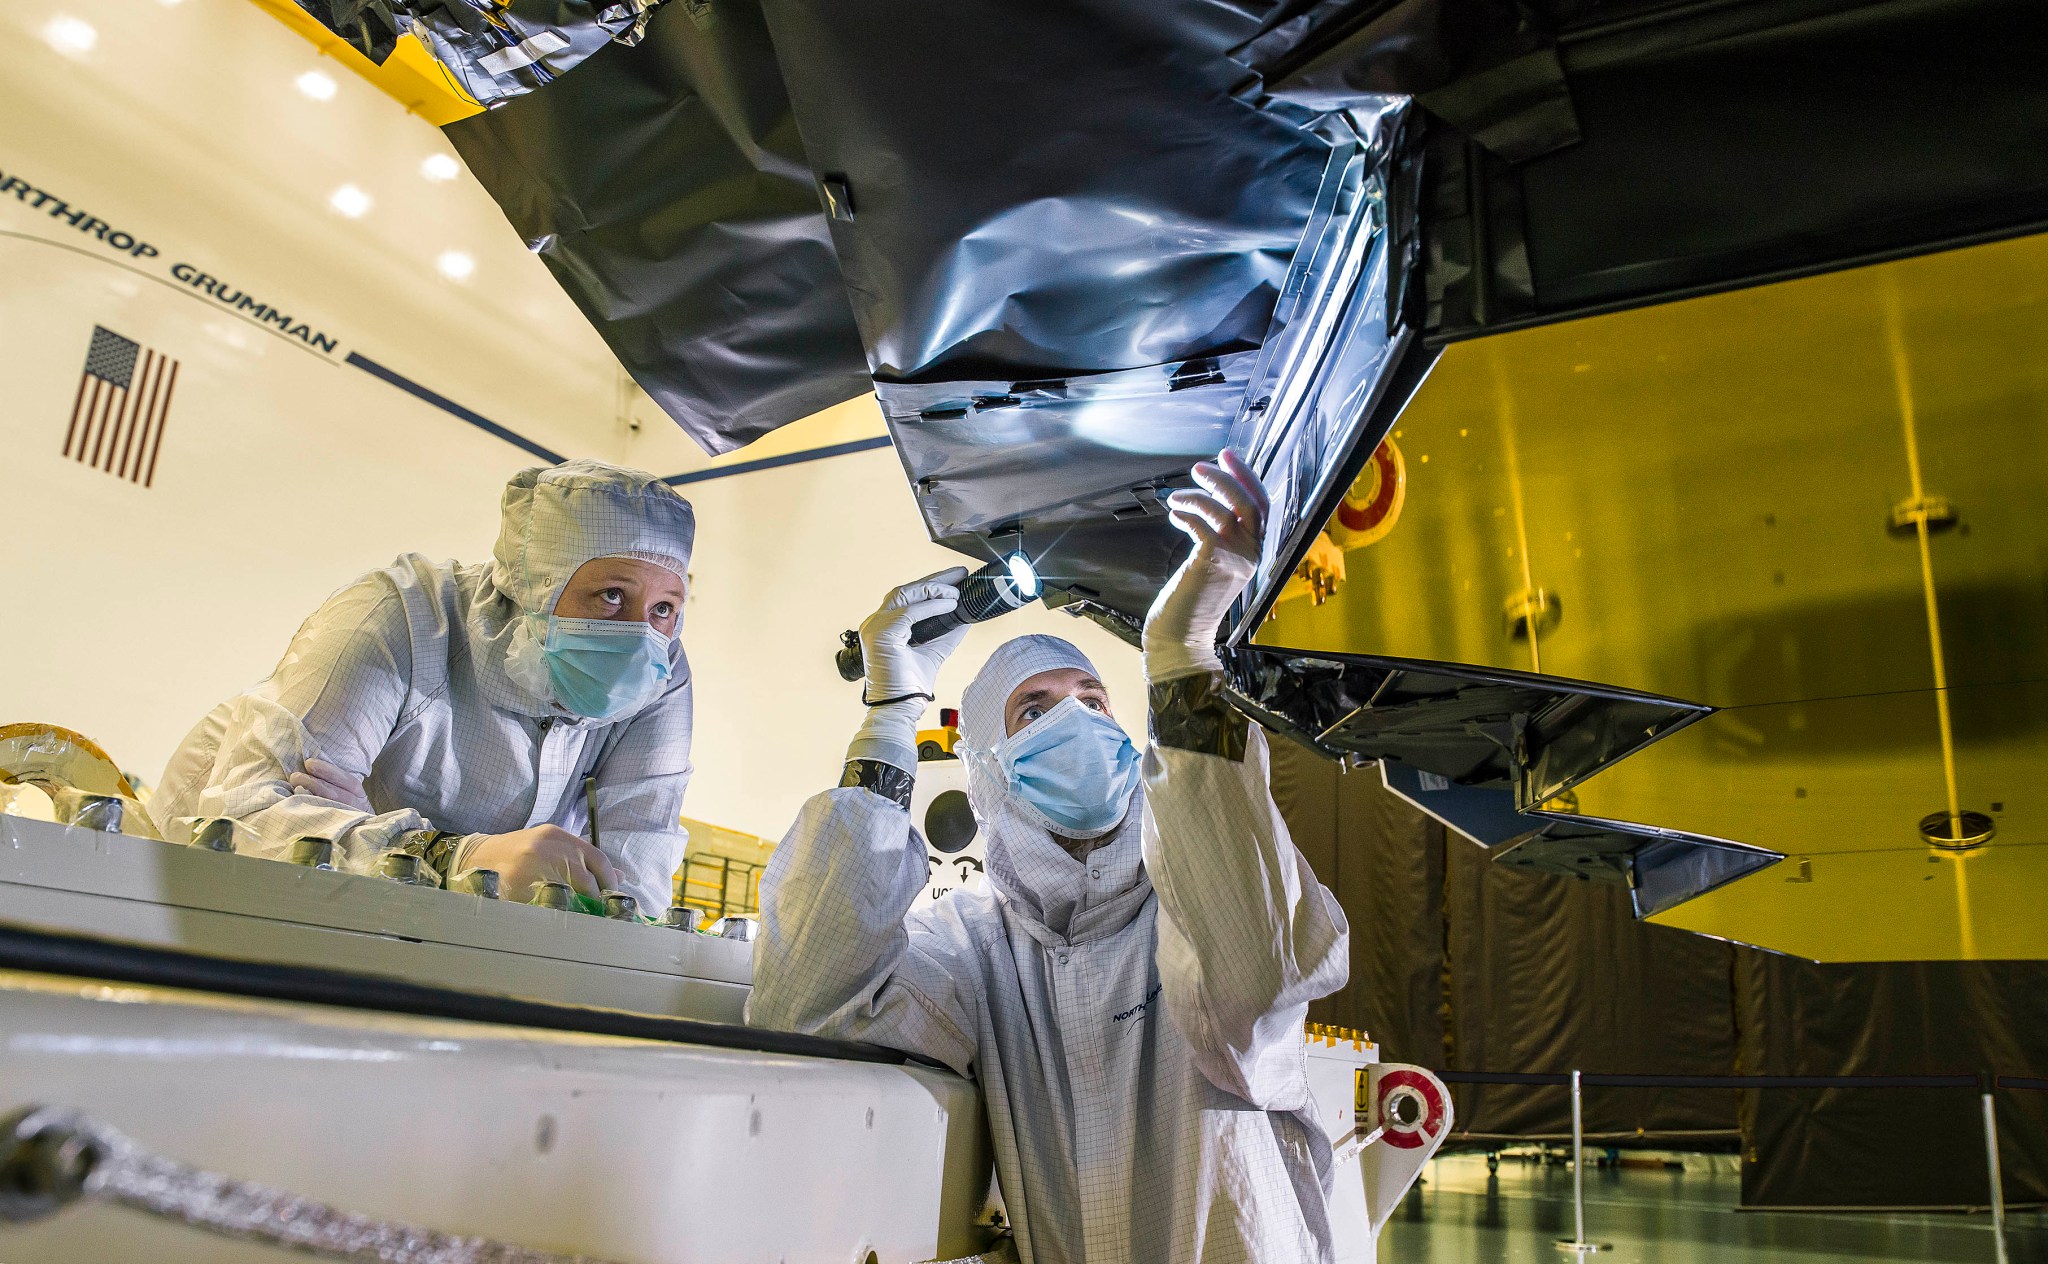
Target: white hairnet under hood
[[1038, 877], [556, 518]]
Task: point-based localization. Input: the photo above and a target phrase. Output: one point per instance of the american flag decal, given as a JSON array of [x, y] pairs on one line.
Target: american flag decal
[[117, 417]]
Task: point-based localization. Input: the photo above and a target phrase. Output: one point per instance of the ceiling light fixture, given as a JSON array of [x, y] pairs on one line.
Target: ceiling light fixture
[[351, 201], [440, 167], [71, 36], [318, 86], [455, 265]]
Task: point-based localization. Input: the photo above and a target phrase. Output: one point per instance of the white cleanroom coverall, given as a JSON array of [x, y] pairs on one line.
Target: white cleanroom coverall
[[1134, 1019], [426, 680]]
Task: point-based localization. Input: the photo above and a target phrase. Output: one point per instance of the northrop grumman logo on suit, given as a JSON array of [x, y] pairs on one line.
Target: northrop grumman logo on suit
[[189, 275], [1138, 1010]]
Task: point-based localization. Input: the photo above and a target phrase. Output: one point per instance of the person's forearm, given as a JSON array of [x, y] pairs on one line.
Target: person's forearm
[[358, 838], [1247, 934], [883, 754], [834, 956]]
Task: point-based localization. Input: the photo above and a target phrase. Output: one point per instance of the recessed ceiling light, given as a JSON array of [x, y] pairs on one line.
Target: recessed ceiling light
[[70, 36], [351, 201], [316, 85], [455, 265], [440, 167]]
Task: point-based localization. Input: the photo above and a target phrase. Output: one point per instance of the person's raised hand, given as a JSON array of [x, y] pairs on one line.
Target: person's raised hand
[[1225, 516], [895, 667], [541, 853]]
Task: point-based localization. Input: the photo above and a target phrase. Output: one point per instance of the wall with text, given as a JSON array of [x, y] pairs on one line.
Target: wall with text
[[261, 333]]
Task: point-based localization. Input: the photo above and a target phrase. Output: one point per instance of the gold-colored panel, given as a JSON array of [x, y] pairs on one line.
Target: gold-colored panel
[[1816, 505], [1908, 905], [1847, 774], [1705, 488]]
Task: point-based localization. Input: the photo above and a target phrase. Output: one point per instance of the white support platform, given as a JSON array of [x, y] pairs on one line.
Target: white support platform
[[626, 1150], [620, 1149], [138, 890]]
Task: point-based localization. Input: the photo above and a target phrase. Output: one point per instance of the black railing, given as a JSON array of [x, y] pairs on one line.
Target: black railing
[[1985, 1082]]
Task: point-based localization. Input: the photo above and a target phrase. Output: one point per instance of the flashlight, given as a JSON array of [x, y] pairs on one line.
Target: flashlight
[[1006, 584]]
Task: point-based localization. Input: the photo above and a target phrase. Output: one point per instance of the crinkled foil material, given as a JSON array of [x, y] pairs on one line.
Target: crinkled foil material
[[1074, 249], [667, 189]]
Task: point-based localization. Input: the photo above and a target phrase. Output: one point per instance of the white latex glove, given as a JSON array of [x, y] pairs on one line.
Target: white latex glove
[[895, 667], [323, 780], [538, 853], [1226, 518]]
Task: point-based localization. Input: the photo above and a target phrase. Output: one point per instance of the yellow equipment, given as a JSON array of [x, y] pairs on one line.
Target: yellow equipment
[[1813, 506]]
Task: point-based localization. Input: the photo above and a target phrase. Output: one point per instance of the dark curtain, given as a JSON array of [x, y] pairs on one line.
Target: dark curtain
[[1461, 964], [1384, 861], [1548, 974], [1458, 963], [1859, 1147]]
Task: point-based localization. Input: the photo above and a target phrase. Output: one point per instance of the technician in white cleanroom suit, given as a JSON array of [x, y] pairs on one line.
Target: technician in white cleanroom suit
[[456, 709], [1130, 994]]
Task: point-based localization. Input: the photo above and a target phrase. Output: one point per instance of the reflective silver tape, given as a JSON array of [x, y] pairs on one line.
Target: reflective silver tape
[[524, 53]]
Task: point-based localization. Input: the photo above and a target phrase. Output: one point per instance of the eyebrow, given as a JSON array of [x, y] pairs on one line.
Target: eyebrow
[[621, 578], [1040, 695]]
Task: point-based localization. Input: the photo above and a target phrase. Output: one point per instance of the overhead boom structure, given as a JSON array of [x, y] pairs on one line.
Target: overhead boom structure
[[1613, 285]]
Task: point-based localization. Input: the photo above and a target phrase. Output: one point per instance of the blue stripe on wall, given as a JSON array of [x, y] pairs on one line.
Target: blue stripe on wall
[[775, 462], [449, 406]]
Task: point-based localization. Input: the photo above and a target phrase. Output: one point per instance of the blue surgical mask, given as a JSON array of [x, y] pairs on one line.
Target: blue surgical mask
[[1073, 768], [603, 668]]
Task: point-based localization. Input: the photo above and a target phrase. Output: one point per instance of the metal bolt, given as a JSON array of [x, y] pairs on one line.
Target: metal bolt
[[480, 882], [554, 895], [217, 834], [313, 853], [403, 866], [100, 812], [1957, 831]]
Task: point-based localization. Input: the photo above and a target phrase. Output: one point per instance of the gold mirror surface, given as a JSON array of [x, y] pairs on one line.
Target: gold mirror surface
[[1820, 506]]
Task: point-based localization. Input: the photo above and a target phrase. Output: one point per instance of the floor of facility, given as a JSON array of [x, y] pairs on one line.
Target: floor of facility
[[1461, 1214]]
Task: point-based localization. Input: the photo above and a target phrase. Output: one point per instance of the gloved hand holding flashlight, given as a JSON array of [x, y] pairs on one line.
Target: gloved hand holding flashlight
[[901, 677], [1008, 583], [897, 669]]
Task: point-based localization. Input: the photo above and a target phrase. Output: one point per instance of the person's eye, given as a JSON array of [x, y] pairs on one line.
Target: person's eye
[[664, 610], [612, 596], [1093, 704], [1030, 713]]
